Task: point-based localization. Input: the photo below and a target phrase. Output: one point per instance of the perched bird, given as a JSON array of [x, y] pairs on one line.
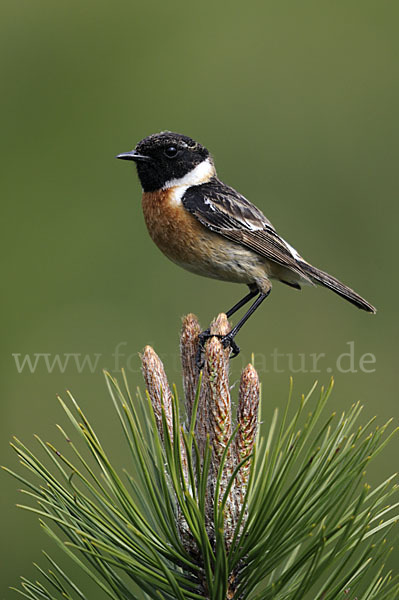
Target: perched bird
[[208, 228]]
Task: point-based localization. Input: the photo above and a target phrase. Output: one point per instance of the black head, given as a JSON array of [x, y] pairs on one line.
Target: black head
[[165, 156]]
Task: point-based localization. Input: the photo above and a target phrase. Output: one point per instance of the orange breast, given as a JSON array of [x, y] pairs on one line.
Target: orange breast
[[193, 246], [177, 233]]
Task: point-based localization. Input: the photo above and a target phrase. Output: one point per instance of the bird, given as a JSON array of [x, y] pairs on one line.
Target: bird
[[207, 227]]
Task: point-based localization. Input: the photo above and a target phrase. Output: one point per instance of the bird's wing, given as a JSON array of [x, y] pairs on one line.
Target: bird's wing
[[223, 210]]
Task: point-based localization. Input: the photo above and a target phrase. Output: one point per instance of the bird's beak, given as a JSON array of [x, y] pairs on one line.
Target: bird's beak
[[132, 155]]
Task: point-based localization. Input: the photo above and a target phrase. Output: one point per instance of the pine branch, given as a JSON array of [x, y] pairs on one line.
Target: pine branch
[[209, 511]]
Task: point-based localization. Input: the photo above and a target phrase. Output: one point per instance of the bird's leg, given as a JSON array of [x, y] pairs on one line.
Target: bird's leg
[[228, 340], [205, 335], [242, 302]]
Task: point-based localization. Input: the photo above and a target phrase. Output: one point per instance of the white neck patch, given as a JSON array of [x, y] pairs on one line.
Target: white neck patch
[[200, 174]]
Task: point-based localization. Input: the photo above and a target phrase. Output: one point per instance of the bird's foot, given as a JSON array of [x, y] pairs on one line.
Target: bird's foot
[[226, 340], [202, 338]]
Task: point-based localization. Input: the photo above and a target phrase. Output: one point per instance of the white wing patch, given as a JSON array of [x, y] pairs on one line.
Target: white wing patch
[[292, 250], [253, 227], [210, 204]]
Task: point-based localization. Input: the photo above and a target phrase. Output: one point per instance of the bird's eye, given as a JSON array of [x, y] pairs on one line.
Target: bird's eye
[[171, 151]]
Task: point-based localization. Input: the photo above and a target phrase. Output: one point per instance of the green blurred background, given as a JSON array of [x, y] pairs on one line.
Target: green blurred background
[[298, 102]]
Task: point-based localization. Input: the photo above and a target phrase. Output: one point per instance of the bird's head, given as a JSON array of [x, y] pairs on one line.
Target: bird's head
[[168, 159]]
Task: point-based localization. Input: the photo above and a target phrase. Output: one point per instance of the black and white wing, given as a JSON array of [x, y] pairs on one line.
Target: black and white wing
[[223, 210]]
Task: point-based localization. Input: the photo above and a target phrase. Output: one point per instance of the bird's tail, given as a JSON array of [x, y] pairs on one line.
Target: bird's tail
[[336, 286]]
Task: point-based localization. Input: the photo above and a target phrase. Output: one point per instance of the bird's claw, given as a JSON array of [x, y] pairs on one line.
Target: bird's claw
[[226, 340], [202, 337]]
